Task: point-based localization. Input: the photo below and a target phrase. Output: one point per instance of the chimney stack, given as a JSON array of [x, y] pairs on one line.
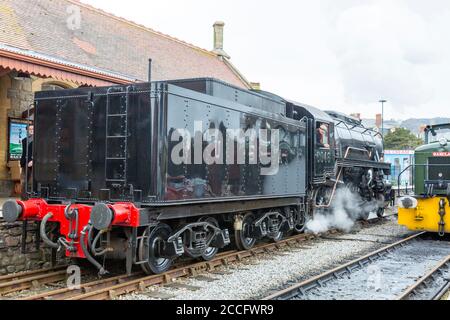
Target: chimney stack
[[255, 85], [218, 39], [378, 120]]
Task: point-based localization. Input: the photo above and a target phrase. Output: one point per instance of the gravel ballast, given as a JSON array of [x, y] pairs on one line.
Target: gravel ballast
[[256, 277]]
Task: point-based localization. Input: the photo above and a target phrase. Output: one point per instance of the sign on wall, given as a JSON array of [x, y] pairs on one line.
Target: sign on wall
[[16, 133]]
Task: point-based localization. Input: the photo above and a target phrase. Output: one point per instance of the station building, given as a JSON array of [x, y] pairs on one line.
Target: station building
[[401, 162], [59, 44]]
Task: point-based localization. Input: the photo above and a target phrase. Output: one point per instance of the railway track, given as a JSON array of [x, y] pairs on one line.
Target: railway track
[[112, 287], [31, 279], [68, 293], [382, 274], [106, 289], [432, 286]]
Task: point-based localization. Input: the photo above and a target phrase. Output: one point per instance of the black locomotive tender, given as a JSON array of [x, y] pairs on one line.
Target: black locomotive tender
[[103, 146]]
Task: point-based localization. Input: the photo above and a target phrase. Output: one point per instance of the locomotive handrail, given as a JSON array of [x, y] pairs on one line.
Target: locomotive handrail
[[414, 166], [399, 176]]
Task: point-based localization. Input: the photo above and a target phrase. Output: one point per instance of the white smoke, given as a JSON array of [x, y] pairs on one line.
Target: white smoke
[[347, 207]]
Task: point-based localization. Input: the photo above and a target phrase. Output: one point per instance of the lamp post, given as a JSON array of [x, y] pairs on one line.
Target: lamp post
[[382, 116]]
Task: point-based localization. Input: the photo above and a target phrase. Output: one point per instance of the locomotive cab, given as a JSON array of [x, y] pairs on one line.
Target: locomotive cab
[[323, 155], [322, 142]]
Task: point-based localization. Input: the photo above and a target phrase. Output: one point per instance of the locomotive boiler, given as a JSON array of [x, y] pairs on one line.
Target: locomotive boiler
[[150, 172], [359, 161]]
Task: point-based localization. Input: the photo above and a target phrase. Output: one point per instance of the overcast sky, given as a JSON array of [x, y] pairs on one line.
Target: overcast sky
[[333, 54]]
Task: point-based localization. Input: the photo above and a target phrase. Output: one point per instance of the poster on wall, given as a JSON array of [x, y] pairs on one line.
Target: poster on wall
[[17, 132]]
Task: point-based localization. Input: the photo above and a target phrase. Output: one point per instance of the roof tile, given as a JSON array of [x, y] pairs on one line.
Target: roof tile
[[106, 42]]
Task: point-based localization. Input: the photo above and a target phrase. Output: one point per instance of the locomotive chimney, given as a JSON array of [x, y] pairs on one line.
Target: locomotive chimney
[[218, 40]]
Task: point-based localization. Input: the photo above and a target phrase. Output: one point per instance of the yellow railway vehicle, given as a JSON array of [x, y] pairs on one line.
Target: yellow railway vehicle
[[431, 214], [429, 208]]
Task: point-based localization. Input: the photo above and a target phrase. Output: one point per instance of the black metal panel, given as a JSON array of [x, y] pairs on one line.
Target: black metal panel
[[297, 110], [228, 206], [113, 144], [438, 169], [223, 90], [200, 181], [77, 157]]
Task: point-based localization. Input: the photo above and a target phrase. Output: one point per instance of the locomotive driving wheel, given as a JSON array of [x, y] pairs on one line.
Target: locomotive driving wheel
[[151, 247], [242, 237]]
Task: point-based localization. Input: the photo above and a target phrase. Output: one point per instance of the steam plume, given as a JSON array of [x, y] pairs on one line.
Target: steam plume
[[346, 208]]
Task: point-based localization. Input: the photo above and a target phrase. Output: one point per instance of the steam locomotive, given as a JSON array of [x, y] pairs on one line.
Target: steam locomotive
[[149, 172]]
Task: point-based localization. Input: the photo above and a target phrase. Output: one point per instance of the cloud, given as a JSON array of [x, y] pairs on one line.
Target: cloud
[[383, 49], [334, 54]]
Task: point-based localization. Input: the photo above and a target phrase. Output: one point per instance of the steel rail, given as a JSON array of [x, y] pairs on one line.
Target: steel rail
[[66, 293], [34, 279], [445, 289], [422, 282], [25, 274], [141, 284], [290, 292], [112, 287]]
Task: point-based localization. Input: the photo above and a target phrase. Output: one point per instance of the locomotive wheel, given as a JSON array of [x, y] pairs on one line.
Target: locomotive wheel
[[150, 248], [243, 242], [210, 252]]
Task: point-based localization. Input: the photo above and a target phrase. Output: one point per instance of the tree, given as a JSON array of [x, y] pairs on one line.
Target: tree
[[401, 139]]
